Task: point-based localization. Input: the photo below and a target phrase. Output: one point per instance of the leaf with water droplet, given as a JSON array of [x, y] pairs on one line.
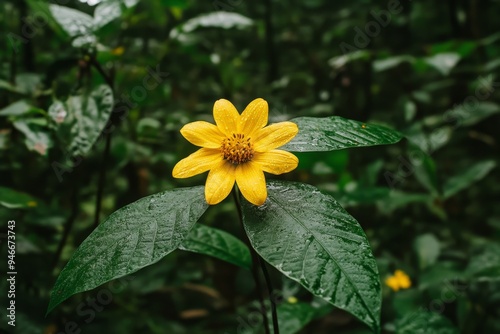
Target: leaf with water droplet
[[330, 256], [131, 238], [81, 119], [336, 133]]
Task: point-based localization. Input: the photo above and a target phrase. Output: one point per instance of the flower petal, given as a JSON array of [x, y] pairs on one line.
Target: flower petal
[[197, 163], [274, 135], [203, 134], [275, 161], [254, 117], [219, 183], [251, 182], [226, 116]]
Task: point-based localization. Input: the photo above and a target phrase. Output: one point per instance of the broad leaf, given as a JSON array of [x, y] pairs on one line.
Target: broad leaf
[[336, 133], [425, 322], [311, 239], [74, 22], [468, 177], [106, 12], [81, 119], [214, 242], [131, 238]]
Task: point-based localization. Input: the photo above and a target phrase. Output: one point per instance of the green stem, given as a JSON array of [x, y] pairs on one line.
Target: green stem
[[255, 263], [271, 295], [258, 261]]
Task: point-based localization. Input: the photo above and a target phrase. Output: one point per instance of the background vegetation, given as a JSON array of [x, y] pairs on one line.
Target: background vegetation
[[428, 204]]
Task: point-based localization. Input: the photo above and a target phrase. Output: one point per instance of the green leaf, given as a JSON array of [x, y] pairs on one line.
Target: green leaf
[[426, 174], [74, 22], [341, 61], [336, 133], [428, 248], [214, 242], [14, 199], [482, 111], [443, 62], [218, 19], [131, 238], [425, 322], [81, 119], [311, 239], [293, 317], [381, 65], [106, 12], [36, 137], [463, 180], [485, 263], [15, 109]]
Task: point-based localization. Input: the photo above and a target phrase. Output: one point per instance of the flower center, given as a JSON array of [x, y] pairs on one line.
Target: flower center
[[237, 149]]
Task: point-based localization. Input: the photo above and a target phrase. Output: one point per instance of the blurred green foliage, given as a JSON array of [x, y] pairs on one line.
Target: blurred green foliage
[[429, 205]]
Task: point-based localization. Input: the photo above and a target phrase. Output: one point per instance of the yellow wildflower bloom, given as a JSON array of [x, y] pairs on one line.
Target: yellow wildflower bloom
[[398, 281], [239, 148]]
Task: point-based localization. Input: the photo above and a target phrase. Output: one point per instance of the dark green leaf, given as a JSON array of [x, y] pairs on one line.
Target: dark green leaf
[[293, 317], [468, 177], [214, 242], [13, 199], [131, 238], [311, 239], [482, 111], [425, 322], [336, 133], [485, 263], [81, 119], [425, 172]]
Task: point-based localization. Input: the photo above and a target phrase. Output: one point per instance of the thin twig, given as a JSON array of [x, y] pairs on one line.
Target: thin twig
[[102, 173], [68, 225], [255, 264], [102, 179]]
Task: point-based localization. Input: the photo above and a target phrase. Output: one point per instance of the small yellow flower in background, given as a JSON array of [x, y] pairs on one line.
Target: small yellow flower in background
[[118, 51], [292, 300], [239, 148], [398, 281]]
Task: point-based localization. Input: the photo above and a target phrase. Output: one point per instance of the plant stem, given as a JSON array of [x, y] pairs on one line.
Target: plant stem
[[258, 261], [255, 263], [102, 174], [102, 179], [68, 225], [271, 295]]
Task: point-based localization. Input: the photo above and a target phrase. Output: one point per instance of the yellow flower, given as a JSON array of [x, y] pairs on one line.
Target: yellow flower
[[398, 281], [239, 148]]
